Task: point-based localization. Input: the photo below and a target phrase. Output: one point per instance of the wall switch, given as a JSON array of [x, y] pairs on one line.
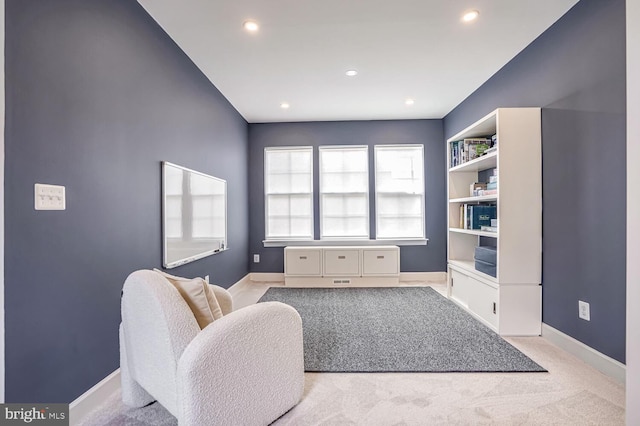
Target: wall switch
[[256, 258], [49, 197], [583, 310]]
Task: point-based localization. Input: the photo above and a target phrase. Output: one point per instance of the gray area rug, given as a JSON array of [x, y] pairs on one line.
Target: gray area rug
[[410, 329]]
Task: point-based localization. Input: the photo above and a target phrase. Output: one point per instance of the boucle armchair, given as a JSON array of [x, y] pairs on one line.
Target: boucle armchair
[[245, 368]]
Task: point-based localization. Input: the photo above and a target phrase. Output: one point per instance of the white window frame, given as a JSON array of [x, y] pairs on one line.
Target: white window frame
[[376, 150], [310, 235], [321, 193]]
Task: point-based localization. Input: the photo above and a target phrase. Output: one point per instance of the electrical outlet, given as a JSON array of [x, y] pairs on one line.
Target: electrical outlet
[[206, 279], [583, 310], [256, 258]]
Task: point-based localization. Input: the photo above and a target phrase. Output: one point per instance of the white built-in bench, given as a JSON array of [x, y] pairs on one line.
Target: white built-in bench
[[341, 266]]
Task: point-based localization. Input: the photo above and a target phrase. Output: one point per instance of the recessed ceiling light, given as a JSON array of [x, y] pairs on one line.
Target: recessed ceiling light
[[351, 73], [409, 101], [285, 105], [251, 26], [470, 15]]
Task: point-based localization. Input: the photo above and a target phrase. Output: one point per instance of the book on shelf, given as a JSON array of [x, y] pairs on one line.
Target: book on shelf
[[453, 154], [475, 187], [475, 147], [489, 228], [468, 213], [474, 216], [467, 216], [457, 153], [467, 149], [480, 215]]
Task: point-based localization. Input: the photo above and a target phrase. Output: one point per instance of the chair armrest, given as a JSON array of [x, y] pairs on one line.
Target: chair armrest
[[246, 368], [224, 299]]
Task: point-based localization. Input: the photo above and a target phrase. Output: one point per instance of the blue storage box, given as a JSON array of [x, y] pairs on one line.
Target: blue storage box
[[485, 267], [485, 254]]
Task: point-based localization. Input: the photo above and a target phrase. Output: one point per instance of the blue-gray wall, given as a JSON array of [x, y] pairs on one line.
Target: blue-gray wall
[[575, 71], [96, 96], [431, 257]]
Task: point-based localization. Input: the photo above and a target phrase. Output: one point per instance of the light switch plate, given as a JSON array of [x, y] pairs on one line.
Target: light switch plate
[[49, 197]]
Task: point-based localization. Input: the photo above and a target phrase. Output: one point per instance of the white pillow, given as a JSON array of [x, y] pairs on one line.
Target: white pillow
[[198, 295]]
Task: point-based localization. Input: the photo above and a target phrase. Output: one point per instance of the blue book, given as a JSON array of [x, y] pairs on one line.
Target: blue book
[[481, 215]]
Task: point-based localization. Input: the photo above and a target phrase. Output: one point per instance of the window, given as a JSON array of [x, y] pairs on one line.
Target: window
[[399, 171], [288, 193], [344, 192]]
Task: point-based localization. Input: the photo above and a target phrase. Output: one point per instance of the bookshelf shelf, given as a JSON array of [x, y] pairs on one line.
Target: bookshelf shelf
[[484, 198], [469, 266], [511, 302], [487, 161], [474, 232]]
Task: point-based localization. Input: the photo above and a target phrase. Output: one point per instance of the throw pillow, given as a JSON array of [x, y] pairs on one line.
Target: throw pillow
[[211, 296], [198, 295]]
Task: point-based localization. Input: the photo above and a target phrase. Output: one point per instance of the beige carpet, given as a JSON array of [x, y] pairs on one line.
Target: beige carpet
[[572, 393]]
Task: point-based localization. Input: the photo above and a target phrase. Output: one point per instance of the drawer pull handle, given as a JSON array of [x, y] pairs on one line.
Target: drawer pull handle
[[303, 257], [342, 257], [380, 257]]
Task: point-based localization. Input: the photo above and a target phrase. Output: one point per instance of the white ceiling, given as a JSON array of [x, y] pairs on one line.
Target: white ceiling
[[401, 48]]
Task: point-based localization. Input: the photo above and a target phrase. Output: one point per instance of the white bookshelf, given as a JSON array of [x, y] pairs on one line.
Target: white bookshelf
[[511, 302]]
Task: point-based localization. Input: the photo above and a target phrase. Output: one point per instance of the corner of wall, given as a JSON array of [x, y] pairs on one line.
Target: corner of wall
[[633, 210], [2, 114]]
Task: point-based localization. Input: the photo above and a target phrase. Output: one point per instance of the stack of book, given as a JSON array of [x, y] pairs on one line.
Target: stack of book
[[476, 188], [493, 227], [490, 188], [467, 150], [475, 216]]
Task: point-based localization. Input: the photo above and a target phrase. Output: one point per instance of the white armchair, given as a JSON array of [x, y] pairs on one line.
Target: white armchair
[[245, 368]]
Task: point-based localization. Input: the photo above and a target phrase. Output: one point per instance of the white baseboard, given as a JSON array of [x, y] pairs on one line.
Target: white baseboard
[[240, 284], [597, 360], [93, 398], [436, 277], [432, 277], [267, 277]]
